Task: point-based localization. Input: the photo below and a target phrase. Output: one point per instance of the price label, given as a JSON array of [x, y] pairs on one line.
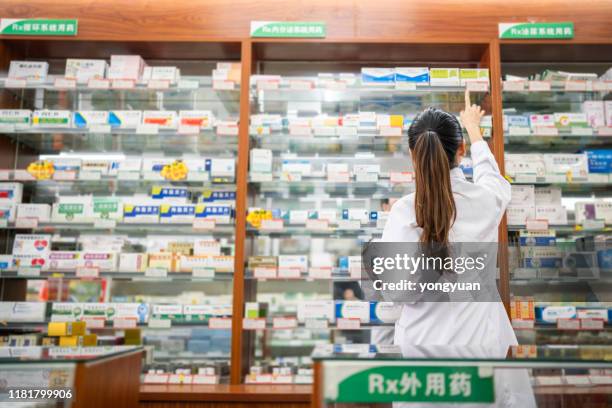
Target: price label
[[549, 380], [26, 223], [519, 131], [568, 324], [3, 223], [94, 322], [316, 323], [188, 84], [264, 273], [203, 272], [345, 323], [158, 84], [5, 174], [223, 85], [338, 177], [220, 323], [156, 272], [289, 273], [514, 86], [591, 324], [575, 86], [97, 83], [7, 128], [156, 378], [477, 86], [64, 175], [272, 225], [123, 83], [604, 131], [406, 86], [401, 177], [147, 129], [205, 379], [254, 324], [366, 177], [347, 131], [90, 175], [204, 224], [188, 130], [599, 86], [523, 324], [300, 85], [579, 380], [284, 323], [324, 131], [124, 323], [320, 272], [349, 225], [105, 223], [390, 131], [300, 130], [22, 175], [100, 129], [536, 225], [539, 86], [64, 83], [87, 272], [227, 130], [157, 323], [266, 85], [28, 271], [317, 225], [128, 175], [593, 224], [546, 131], [15, 83]]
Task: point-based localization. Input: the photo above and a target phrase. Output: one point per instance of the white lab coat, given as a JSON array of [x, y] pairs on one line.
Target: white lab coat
[[480, 206]]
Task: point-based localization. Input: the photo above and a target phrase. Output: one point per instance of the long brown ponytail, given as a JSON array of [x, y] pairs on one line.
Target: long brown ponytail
[[434, 138]]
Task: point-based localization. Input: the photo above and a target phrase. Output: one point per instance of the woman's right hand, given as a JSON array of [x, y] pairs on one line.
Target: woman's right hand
[[470, 119]]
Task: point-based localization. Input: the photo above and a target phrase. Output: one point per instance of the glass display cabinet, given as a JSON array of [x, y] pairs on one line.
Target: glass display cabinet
[[368, 376], [117, 198], [328, 158], [558, 139]]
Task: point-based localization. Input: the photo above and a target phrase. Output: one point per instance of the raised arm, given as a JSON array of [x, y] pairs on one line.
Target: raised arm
[[486, 171]]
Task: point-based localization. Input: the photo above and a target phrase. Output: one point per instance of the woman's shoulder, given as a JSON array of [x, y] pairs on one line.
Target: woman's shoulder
[[406, 203]]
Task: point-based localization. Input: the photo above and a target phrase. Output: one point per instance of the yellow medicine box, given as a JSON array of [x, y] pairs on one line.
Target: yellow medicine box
[[66, 329]]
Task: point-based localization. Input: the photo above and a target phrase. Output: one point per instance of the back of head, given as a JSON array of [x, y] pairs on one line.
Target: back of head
[[434, 138]]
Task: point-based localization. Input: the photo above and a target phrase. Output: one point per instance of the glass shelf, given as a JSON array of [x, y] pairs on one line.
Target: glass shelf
[[562, 142], [125, 276], [331, 233], [566, 229], [186, 229], [377, 190]]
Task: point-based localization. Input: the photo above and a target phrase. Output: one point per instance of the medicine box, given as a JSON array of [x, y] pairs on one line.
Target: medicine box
[[31, 71], [126, 67], [51, 118], [595, 113], [11, 193], [444, 76], [124, 119], [416, 75], [17, 117], [377, 76], [82, 70]]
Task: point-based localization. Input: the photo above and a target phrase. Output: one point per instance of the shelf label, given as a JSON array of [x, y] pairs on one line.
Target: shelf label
[[157, 323], [591, 324], [581, 131], [223, 85], [254, 324], [14, 83], [105, 223], [312, 323], [546, 131], [272, 225], [128, 175], [205, 379], [156, 272], [568, 324], [405, 86], [64, 83], [289, 273], [514, 86], [350, 225], [97, 83], [28, 271], [346, 323], [124, 323], [529, 31], [156, 378], [5, 174], [284, 323], [477, 86], [593, 224], [288, 29], [220, 323], [264, 273], [579, 380], [39, 26], [520, 324], [204, 224], [390, 131], [22, 175], [227, 130], [320, 273], [123, 84], [94, 322], [203, 272], [536, 225], [158, 84], [26, 223], [576, 86], [347, 131], [539, 86], [147, 129], [519, 131], [90, 175], [317, 225], [397, 177], [188, 130], [338, 177], [87, 272], [301, 85], [64, 175], [604, 131], [99, 129], [3, 223], [188, 84]]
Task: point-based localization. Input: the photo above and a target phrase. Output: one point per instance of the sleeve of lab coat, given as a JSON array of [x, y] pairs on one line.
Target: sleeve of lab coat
[[487, 175]]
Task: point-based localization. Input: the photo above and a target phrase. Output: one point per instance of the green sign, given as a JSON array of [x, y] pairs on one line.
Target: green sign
[[38, 26], [288, 29], [518, 31], [414, 383]]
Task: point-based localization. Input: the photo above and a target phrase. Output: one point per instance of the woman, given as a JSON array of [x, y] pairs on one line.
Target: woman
[[446, 208]]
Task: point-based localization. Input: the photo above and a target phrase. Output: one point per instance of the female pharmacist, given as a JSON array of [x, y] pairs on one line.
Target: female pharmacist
[[445, 209]]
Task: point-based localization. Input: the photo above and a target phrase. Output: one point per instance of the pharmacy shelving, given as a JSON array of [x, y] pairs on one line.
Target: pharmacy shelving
[[572, 274], [208, 137]]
